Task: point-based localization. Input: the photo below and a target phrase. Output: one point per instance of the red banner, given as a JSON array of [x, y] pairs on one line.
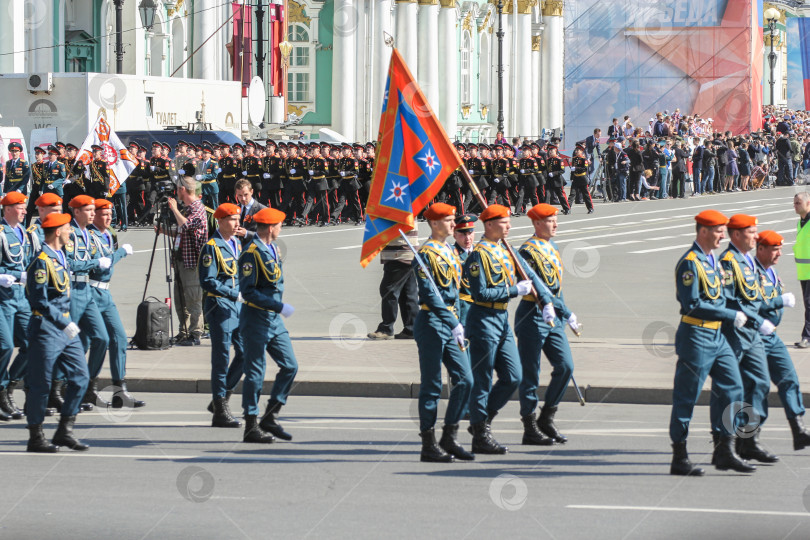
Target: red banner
[[242, 45], [276, 36]]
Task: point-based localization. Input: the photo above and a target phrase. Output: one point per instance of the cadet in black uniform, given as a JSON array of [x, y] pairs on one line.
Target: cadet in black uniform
[[579, 176], [556, 167]]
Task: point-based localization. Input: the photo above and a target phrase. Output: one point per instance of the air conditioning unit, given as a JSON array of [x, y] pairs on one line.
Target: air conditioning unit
[[40, 82]]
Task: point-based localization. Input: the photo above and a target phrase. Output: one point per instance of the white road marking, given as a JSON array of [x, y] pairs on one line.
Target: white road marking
[[692, 510], [629, 242], [164, 457]]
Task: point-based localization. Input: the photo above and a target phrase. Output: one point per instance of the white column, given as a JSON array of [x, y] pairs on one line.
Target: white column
[[535, 98], [382, 57], [12, 37], [448, 68], [508, 124], [406, 38], [41, 28], [523, 80], [344, 84], [552, 111], [204, 25], [428, 76]]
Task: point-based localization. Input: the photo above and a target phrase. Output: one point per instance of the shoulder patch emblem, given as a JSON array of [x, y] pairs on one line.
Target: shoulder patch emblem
[[70, 246], [40, 276], [207, 260], [475, 270], [247, 268], [688, 278]]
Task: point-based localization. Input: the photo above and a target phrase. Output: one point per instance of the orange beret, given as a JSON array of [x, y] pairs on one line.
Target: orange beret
[[494, 211], [541, 211], [225, 210], [711, 218], [102, 203], [49, 199], [13, 197], [770, 238], [439, 211], [741, 221], [81, 200], [269, 216], [55, 220]]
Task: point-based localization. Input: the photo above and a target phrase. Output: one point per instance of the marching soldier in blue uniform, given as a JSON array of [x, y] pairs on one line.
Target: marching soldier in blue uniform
[[464, 235], [106, 244], [702, 350], [261, 283], [781, 368], [208, 177], [219, 279], [492, 276], [55, 173], [744, 293], [15, 313], [440, 339], [535, 335], [17, 171], [82, 257], [53, 337]]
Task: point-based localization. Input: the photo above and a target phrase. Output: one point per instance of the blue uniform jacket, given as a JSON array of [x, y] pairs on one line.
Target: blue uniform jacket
[[17, 175], [772, 306], [14, 254], [105, 248], [261, 279], [699, 287], [544, 258], [48, 288], [743, 292], [55, 174], [445, 270], [217, 267], [82, 257]]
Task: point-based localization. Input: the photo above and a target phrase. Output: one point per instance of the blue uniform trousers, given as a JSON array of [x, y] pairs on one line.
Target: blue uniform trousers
[[47, 346], [783, 374], [264, 331], [703, 352], [117, 336], [15, 315], [755, 377], [210, 195], [85, 312], [534, 336], [436, 346], [223, 323], [492, 346]]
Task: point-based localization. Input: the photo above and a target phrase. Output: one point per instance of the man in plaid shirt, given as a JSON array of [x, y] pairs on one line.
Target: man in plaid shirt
[[192, 233]]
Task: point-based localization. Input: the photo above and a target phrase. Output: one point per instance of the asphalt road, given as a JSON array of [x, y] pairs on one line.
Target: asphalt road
[[352, 471], [619, 265]]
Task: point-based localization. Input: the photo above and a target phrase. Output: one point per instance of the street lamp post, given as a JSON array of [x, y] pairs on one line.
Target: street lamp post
[[260, 39], [771, 15], [500, 65], [119, 36]]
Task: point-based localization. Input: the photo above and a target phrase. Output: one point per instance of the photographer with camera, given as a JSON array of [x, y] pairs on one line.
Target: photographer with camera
[[189, 238]]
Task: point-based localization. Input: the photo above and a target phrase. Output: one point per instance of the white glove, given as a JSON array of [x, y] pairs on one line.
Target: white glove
[[740, 319], [312, 172], [548, 313], [292, 171], [104, 263], [71, 330], [49, 186], [198, 177], [128, 249], [6, 280], [266, 175], [342, 173], [23, 278], [287, 310], [572, 322], [152, 167], [497, 180], [458, 335], [522, 171], [471, 171], [524, 287], [244, 173], [789, 299], [240, 298], [766, 328]]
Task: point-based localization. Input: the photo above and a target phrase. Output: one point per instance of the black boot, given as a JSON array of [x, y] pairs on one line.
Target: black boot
[[12, 405], [431, 451], [270, 423], [681, 466], [92, 396], [749, 448], [253, 433], [122, 398], [449, 444], [715, 442], [64, 434], [483, 443], [6, 408], [222, 415], [801, 437], [532, 435], [4, 417], [55, 400], [37, 441], [725, 458], [228, 394], [545, 423]]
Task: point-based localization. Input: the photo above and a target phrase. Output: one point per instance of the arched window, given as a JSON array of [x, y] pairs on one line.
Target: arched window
[[466, 67], [300, 75], [484, 64]]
